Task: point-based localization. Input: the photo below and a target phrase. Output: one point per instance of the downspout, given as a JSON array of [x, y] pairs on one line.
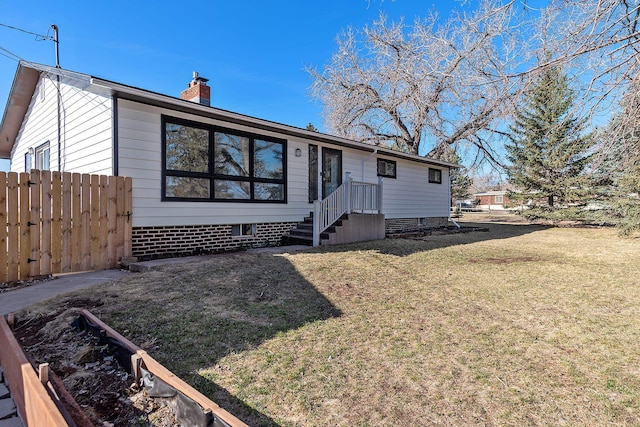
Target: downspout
[[114, 134], [55, 41], [59, 125], [366, 159]]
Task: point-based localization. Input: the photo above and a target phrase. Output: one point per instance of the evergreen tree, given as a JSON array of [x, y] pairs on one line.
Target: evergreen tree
[[459, 178], [620, 169], [548, 150]]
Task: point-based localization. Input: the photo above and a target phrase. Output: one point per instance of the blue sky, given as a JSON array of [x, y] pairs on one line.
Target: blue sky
[[253, 52]]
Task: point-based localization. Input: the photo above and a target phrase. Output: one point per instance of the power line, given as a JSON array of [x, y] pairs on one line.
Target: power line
[[46, 37], [11, 55]]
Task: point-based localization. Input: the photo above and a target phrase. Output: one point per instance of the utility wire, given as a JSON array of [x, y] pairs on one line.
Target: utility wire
[[47, 37], [11, 55]]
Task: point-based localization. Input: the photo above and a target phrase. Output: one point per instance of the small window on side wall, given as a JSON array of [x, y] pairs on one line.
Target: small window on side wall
[[387, 168], [435, 176], [42, 157], [27, 162]]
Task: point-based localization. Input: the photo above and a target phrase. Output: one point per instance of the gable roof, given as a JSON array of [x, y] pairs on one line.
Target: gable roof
[[24, 84], [28, 75]]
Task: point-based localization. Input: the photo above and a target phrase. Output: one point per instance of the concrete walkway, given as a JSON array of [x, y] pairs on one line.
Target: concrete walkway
[[14, 300]]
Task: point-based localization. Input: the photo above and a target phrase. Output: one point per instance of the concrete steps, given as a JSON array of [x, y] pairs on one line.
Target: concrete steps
[[302, 234]]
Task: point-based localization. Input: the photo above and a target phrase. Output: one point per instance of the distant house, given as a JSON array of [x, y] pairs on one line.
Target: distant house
[[207, 179], [492, 200]]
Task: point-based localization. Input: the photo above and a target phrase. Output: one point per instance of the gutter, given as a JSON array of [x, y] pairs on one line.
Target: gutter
[[143, 96]]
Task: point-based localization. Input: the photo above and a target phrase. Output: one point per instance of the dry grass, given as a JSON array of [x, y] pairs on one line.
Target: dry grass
[[521, 325]]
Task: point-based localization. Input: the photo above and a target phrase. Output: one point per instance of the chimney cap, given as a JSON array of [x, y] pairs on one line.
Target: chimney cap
[[197, 78]]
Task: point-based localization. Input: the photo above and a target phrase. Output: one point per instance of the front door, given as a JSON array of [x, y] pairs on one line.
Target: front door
[[331, 171]]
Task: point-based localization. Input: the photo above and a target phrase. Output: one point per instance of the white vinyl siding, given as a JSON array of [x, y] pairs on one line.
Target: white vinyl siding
[[140, 146], [39, 126], [86, 132], [411, 195]]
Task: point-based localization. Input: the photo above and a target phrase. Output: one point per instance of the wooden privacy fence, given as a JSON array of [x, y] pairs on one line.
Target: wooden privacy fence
[[59, 222]]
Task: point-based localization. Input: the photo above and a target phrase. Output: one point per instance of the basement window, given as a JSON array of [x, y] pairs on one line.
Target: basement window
[[243, 230], [435, 176]]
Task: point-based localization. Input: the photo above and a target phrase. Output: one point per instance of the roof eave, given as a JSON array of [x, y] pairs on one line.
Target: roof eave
[[26, 80], [22, 90], [160, 100]]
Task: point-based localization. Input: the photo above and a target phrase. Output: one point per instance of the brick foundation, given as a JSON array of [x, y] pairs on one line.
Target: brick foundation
[[163, 241], [397, 225]]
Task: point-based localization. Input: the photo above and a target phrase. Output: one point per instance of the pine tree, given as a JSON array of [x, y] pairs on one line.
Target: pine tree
[[548, 149], [459, 177], [620, 169]]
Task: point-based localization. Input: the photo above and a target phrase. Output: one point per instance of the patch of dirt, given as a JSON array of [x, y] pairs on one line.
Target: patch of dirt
[[107, 395], [510, 260]]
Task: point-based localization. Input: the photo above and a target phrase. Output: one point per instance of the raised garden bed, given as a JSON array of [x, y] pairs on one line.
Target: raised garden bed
[[435, 231], [107, 380]]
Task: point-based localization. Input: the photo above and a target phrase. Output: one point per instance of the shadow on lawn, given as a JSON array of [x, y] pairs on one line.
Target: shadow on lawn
[[411, 245], [223, 306]]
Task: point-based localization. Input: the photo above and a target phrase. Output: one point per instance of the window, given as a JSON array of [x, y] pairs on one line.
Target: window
[[207, 163], [435, 176], [42, 157], [243, 230], [27, 161], [498, 199], [386, 168]]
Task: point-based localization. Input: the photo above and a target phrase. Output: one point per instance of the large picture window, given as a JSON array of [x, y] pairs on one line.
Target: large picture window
[[208, 163]]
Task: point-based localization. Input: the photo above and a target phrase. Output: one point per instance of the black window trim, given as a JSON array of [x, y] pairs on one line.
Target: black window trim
[[211, 175], [395, 168], [434, 181]]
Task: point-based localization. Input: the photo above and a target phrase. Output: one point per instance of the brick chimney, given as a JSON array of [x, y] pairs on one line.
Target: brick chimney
[[197, 91]]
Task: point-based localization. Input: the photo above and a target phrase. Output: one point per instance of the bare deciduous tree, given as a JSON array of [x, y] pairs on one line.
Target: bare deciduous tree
[[433, 84], [427, 86]]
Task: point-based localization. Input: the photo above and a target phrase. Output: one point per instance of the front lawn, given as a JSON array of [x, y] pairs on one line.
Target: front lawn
[[520, 325]]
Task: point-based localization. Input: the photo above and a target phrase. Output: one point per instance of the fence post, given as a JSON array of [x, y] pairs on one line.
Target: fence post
[[25, 232], [128, 229], [66, 260], [380, 186], [35, 190], [13, 243], [85, 218], [56, 222], [46, 230]]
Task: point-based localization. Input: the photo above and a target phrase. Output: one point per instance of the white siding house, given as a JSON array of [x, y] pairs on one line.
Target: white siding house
[[91, 125]]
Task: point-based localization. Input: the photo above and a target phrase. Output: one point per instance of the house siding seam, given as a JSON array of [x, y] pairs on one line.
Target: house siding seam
[[159, 241], [396, 225]]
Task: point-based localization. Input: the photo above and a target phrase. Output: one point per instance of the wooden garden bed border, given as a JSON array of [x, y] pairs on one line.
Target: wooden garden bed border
[[142, 358], [34, 404]]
